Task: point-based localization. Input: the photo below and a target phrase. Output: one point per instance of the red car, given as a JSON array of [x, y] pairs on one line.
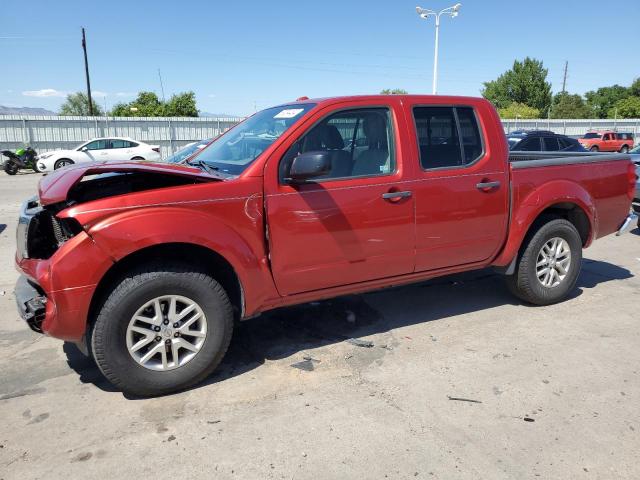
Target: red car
[[146, 266], [607, 141]]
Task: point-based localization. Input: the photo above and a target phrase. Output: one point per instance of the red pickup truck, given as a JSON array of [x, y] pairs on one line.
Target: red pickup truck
[[147, 265], [607, 141]]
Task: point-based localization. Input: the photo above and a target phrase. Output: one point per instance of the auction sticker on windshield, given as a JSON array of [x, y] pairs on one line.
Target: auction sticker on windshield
[[289, 113]]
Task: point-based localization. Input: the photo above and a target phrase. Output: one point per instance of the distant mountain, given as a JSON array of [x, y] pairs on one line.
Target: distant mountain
[[24, 111], [207, 114]]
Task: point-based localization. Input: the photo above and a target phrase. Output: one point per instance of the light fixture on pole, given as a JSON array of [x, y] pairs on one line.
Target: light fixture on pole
[[426, 13]]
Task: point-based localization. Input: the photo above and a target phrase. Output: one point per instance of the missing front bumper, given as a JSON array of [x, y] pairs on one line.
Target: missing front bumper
[[31, 303]]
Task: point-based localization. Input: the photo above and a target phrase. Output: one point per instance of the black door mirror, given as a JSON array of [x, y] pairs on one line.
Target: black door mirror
[[309, 165]]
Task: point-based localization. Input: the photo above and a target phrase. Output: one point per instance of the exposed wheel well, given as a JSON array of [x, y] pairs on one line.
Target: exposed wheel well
[[569, 211], [213, 263]]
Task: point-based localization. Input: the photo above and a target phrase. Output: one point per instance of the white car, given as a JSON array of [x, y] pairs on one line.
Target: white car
[[112, 148]]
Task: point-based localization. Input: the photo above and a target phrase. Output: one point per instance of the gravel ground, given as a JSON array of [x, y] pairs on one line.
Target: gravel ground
[[462, 381]]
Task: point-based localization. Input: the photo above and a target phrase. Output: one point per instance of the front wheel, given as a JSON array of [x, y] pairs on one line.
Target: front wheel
[[63, 162], [162, 329], [10, 167], [594, 149], [624, 149], [548, 264]]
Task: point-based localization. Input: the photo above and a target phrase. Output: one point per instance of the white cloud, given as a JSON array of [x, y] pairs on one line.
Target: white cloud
[[98, 93], [124, 94], [212, 95], [45, 92]]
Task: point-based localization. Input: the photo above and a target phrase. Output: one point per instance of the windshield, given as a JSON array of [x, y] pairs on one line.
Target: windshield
[[635, 150], [591, 135], [187, 151], [234, 151]]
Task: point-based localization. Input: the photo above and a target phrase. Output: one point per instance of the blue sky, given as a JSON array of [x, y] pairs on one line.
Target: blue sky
[[239, 55]]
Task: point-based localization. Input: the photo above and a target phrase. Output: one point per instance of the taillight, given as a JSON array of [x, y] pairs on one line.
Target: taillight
[[631, 175]]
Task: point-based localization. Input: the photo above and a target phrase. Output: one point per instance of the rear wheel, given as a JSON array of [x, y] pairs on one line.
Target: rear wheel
[[624, 149], [548, 264], [137, 158], [162, 329], [10, 167], [594, 149], [63, 162]]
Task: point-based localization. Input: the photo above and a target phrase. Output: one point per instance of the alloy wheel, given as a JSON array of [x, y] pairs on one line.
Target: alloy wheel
[[553, 262], [166, 332]]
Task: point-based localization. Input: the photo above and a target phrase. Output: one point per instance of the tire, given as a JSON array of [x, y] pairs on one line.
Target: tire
[[10, 167], [594, 149], [110, 331], [137, 159], [624, 149], [63, 162], [525, 284]]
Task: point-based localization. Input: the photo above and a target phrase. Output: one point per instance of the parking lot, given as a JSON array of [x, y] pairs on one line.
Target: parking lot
[[461, 381]]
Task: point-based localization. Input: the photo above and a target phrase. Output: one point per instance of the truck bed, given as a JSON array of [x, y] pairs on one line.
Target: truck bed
[[535, 174], [520, 160]]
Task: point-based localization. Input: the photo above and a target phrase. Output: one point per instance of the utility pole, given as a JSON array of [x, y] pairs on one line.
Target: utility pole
[[564, 78], [86, 71], [164, 100]]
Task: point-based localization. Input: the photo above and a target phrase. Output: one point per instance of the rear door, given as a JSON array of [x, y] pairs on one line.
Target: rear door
[[357, 223], [462, 192], [119, 149]]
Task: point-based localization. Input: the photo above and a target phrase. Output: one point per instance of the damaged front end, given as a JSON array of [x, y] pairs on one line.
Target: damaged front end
[[60, 262], [40, 232]]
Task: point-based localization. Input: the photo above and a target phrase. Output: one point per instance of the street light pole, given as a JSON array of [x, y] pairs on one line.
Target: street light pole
[[426, 13]]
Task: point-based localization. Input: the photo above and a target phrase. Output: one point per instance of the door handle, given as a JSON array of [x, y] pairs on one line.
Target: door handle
[[487, 186], [396, 195]]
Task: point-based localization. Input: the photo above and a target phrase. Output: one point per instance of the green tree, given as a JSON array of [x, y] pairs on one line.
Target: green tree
[[634, 89], [78, 104], [182, 105], [566, 105], [518, 110], [526, 83], [393, 91], [147, 104], [604, 99], [626, 108]]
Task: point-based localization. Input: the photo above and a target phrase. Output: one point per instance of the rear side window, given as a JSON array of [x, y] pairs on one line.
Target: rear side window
[[119, 144], [550, 144], [447, 136]]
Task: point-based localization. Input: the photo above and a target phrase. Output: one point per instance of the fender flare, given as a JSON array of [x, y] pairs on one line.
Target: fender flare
[[529, 208], [130, 231]]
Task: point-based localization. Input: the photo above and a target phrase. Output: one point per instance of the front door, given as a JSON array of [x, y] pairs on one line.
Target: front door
[[356, 223], [97, 150], [462, 193]]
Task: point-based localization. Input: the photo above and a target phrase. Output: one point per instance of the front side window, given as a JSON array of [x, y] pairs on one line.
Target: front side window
[[235, 150], [447, 136], [360, 142], [528, 145], [97, 145], [591, 135]]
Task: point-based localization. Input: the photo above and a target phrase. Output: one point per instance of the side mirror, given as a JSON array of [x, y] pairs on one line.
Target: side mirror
[[84, 149], [309, 165]]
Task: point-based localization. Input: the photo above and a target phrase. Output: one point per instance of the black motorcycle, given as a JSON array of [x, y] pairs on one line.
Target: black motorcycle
[[22, 158]]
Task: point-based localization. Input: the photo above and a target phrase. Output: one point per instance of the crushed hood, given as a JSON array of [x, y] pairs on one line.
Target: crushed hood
[[54, 188]]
